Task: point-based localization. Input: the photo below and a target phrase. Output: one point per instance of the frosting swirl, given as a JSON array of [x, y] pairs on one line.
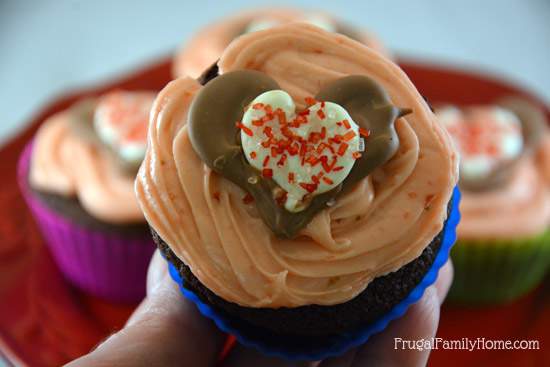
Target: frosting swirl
[[384, 222], [519, 209], [68, 159], [207, 46]]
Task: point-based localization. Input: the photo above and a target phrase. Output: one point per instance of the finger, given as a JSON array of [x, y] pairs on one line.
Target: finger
[[247, 357], [345, 360], [157, 270], [444, 280], [155, 274], [419, 323], [165, 330], [387, 348]]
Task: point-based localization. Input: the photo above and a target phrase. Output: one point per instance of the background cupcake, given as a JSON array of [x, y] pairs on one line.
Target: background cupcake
[[206, 47], [77, 177], [504, 242], [251, 217]]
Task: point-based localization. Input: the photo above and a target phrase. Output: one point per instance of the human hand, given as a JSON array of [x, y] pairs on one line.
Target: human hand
[[167, 330]]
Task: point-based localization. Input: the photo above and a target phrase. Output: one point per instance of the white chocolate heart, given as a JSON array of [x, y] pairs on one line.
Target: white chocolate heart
[[484, 135], [121, 119], [306, 153]]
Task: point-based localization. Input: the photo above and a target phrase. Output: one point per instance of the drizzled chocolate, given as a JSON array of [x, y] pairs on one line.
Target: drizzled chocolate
[[370, 107], [81, 122], [216, 140]]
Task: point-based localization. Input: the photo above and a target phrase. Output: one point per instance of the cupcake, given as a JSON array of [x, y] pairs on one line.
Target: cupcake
[[503, 249], [77, 177], [300, 193], [206, 47]]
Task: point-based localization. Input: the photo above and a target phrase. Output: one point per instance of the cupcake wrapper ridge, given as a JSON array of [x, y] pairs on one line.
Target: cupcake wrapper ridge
[[496, 271], [109, 265], [343, 342]]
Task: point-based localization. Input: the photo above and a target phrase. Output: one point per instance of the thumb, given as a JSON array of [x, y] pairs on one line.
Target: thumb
[[165, 329]]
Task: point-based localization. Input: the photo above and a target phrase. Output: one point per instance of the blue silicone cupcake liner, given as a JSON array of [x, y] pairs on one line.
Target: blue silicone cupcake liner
[[340, 344]]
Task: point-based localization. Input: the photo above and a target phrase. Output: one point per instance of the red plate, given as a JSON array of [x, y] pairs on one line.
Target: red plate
[[44, 321]]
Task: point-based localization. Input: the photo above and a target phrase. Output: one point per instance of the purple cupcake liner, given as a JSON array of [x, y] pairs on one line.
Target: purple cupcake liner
[[340, 344], [109, 265]]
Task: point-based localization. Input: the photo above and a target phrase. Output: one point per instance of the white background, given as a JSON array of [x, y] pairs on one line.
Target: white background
[[51, 46]]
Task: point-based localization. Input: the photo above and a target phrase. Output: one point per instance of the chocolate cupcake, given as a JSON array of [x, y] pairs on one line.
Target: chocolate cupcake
[[503, 249], [77, 177], [300, 190], [206, 47]]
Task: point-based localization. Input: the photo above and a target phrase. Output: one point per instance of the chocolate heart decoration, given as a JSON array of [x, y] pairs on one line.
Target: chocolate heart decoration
[[121, 119], [306, 153], [82, 118], [532, 125], [216, 139]]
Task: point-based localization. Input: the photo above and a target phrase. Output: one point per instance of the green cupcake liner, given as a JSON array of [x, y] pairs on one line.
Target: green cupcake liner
[[496, 271]]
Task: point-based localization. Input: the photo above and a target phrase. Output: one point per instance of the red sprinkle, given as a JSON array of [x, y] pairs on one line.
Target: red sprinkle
[[291, 177], [303, 149], [247, 199], [321, 147], [492, 150], [293, 150], [342, 149], [281, 199], [310, 101], [346, 124], [364, 132], [266, 161], [356, 155], [349, 135], [258, 106], [246, 130], [339, 168], [268, 131], [267, 172], [308, 187], [282, 161], [337, 139], [257, 122], [313, 161], [328, 181], [328, 167], [314, 137], [281, 116], [321, 114], [253, 155], [299, 120]]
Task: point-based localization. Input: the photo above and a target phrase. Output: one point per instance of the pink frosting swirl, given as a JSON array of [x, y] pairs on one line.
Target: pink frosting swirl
[[207, 45], [67, 162]]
